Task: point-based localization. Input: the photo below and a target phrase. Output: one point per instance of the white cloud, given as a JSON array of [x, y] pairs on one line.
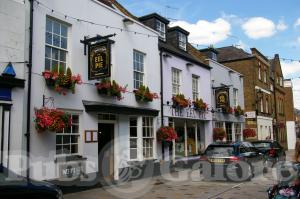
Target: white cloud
[[281, 26], [259, 27], [242, 45], [290, 68], [205, 32], [297, 23], [298, 40]]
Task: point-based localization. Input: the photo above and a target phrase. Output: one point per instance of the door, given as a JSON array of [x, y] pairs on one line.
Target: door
[[106, 151]]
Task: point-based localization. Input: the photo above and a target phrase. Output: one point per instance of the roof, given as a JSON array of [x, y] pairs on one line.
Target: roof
[[189, 56], [231, 53], [178, 28], [154, 15]]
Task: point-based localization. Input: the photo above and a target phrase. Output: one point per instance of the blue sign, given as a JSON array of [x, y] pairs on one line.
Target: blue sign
[[5, 94]]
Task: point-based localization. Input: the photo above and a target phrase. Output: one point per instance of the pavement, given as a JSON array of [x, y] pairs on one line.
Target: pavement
[[184, 184]]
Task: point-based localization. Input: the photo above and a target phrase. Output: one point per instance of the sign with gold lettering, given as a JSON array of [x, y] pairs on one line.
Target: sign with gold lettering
[[99, 60], [222, 98]]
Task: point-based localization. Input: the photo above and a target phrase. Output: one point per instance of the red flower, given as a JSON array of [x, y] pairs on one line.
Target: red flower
[[249, 133], [166, 134]]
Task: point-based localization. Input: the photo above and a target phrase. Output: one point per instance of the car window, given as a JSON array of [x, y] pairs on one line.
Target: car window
[[220, 151], [244, 149], [266, 145]]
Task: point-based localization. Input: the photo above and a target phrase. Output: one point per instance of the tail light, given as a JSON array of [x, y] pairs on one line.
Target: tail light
[[203, 158], [272, 152], [234, 159]]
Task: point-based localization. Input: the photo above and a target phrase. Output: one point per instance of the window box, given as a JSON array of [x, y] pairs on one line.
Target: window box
[[219, 134], [238, 111], [143, 94], [227, 110], [199, 105], [179, 101], [248, 133], [61, 81], [110, 88]]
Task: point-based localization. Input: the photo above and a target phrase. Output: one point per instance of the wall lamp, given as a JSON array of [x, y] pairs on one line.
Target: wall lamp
[[166, 55], [189, 64], [127, 21]]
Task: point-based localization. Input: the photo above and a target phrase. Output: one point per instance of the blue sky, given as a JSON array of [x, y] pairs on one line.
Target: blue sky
[[271, 26]]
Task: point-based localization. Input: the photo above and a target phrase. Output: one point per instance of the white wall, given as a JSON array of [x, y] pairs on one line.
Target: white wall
[[266, 123], [291, 134]]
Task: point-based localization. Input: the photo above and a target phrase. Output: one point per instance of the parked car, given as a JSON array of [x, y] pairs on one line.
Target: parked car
[[235, 161], [272, 150], [14, 186]]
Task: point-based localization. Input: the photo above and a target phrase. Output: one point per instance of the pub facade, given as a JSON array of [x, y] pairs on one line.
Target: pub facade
[[99, 67]]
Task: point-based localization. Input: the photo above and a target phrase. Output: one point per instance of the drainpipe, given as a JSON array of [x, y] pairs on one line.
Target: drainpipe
[[29, 65], [162, 100]]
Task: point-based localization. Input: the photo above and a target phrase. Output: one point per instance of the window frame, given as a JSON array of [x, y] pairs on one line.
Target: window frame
[[259, 72], [182, 41], [195, 87], [63, 134], [176, 81], [60, 59], [137, 65], [235, 97], [149, 125], [161, 29], [131, 138]]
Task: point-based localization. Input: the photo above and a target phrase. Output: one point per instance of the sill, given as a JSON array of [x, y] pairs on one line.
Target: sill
[[70, 158]]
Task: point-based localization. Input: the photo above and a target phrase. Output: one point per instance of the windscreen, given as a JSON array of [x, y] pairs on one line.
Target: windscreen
[[262, 145], [220, 151]]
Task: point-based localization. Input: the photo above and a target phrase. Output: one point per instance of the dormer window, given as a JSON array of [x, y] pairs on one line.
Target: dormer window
[[182, 40], [161, 28]]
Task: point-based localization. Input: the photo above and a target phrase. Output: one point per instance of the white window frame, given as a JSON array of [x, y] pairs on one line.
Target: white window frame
[[182, 41], [195, 86], [136, 138], [235, 97], [60, 58], [161, 29], [261, 105], [71, 134], [259, 73], [138, 69], [267, 106], [265, 76], [148, 135], [176, 81]]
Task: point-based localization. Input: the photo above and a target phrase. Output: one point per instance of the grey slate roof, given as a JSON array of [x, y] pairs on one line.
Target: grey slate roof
[[231, 53]]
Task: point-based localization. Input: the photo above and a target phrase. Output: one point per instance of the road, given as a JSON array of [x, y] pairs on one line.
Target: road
[[185, 184]]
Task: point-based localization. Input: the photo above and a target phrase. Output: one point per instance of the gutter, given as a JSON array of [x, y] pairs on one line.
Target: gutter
[[29, 65]]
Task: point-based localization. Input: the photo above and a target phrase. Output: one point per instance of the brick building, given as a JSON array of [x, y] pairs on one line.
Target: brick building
[[257, 87], [279, 109], [290, 114]]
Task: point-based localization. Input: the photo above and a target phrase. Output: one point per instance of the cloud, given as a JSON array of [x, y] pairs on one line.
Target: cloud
[[259, 27], [290, 68], [232, 18], [281, 26], [242, 45], [297, 23], [298, 40], [206, 32]]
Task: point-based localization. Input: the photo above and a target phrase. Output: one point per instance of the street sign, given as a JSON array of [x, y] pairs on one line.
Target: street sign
[[250, 114]]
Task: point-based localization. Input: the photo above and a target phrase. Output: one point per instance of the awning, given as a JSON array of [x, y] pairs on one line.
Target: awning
[[117, 109]]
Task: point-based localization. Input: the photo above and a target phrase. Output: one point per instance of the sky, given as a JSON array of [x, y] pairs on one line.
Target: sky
[[271, 26]]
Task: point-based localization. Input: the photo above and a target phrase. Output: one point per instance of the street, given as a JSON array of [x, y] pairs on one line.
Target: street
[[174, 186]]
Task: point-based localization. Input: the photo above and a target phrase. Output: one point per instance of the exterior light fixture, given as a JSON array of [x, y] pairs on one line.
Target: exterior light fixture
[[127, 21]]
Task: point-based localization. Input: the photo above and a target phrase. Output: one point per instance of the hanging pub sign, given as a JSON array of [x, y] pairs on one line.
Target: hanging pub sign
[[222, 97], [99, 60]]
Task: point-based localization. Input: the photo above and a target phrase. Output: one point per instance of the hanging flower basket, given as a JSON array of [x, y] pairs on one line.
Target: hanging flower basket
[[179, 101], [166, 134], [199, 105], [238, 111], [62, 82], [51, 119], [219, 134], [143, 94], [228, 110], [248, 133], [110, 88]]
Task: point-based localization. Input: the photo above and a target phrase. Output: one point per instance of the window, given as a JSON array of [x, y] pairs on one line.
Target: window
[[219, 125], [195, 86], [175, 81], [148, 137], [259, 73], [161, 28], [182, 40], [228, 132], [56, 49], [67, 140], [138, 69], [133, 138], [235, 97], [267, 106], [261, 105], [265, 76], [280, 81]]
